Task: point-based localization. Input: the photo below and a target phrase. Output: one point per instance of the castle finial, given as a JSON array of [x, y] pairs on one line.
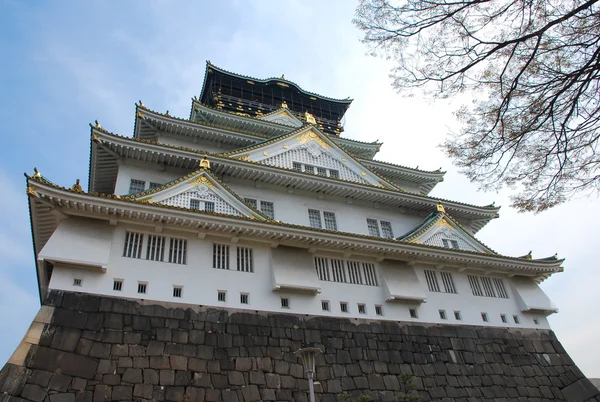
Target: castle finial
[[142, 104], [205, 163], [440, 207], [528, 256], [282, 77], [284, 105], [309, 118], [77, 187], [97, 125], [36, 173], [167, 113]]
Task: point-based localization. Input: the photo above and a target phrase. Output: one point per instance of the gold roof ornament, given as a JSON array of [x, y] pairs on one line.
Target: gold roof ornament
[[440, 207], [529, 256], [36, 173], [142, 104], [284, 105], [282, 77], [309, 118], [77, 187], [97, 125], [167, 113], [205, 163]]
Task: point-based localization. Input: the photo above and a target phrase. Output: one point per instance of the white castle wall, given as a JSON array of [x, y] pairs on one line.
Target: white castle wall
[[201, 282]]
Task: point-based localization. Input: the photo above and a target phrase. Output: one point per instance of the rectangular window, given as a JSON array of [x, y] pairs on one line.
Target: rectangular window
[[329, 218], [118, 285], [142, 287], [516, 319], [285, 302], [322, 266], [325, 305], [309, 169], [244, 298], [321, 171], [413, 313], [386, 230], [369, 274], [220, 256], [488, 289], [443, 314], [499, 285], [136, 186], [432, 281], [177, 291], [338, 271], [133, 245], [536, 321], [297, 166], [354, 273], [457, 316], [334, 173], [178, 251], [314, 218], [450, 243], [484, 317], [244, 259], [154, 186], [362, 309], [475, 286], [221, 296], [448, 282], [378, 310], [251, 202], [195, 204], [267, 208], [155, 250], [373, 227], [77, 282], [209, 206], [503, 318], [343, 307]]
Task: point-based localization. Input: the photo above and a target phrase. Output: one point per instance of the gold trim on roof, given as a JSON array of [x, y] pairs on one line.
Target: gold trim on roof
[[202, 180], [312, 136]]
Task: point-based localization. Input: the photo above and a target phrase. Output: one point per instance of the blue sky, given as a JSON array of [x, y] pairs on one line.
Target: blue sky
[[65, 64]]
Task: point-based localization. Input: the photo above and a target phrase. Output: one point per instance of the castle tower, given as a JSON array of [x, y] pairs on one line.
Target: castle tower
[[205, 251]]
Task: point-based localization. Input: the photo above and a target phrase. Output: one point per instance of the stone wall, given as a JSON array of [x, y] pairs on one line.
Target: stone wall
[[87, 348]]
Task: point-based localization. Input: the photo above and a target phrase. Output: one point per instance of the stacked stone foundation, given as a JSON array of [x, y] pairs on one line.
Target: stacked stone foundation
[[84, 348]]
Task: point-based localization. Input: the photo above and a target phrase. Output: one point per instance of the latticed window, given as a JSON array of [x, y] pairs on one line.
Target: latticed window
[[178, 251], [220, 256], [321, 171], [448, 243], [297, 166], [329, 218], [314, 218], [362, 309], [343, 307], [432, 281], [373, 227], [118, 285], [244, 298], [386, 230], [354, 272], [500, 288], [155, 250], [338, 271], [334, 173], [177, 291], [378, 310], [309, 169], [475, 285], [251, 202], [360, 273], [209, 206], [136, 186], [267, 208], [154, 186], [285, 302], [322, 266], [369, 274], [195, 204], [142, 288], [448, 282], [244, 259], [221, 296], [133, 245], [488, 289], [325, 305]]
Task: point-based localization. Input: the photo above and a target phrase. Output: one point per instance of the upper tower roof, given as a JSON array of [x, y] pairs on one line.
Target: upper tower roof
[[255, 97]]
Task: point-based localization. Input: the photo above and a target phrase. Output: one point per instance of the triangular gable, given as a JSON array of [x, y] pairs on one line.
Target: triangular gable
[[309, 149], [200, 191], [283, 116], [441, 230]]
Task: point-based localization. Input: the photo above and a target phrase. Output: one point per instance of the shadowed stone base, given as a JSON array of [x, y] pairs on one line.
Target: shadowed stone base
[[84, 348]]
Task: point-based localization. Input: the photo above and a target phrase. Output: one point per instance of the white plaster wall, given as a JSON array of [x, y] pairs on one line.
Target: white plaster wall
[[148, 172], [201, 145], [201, 282]]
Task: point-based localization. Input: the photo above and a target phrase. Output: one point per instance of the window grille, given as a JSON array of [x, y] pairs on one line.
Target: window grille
[[267, 208], [373, 227], [503, 318], [154, 186], [448, 282], [536, 321], [221, 296], [386, 230], [136, 186], [244, 259], [309, 169], [329, 218], [314, 218], [209, 206], [321, 171], [334, 173], [195, 204], [475, 286], [484, 317], [343, 307], [499, 285], [432, 281], [354, 272], [325, 305], [177, 291], [155, 250], [142, 288], [338, 271], [285, 302], [448, 243], [244, 298], [516, 319], [369, 274], [488, 289], [133, 245], [178, 251], [251, 202], [457, 316], [77, 282], [118, 285], [297, 166], [443, 314], [220, 256], [322, 267], [413, 313], [378, 310], [362, 309]]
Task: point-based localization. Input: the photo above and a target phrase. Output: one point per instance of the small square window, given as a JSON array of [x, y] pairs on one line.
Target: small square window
[[285, 302], [484, 317], [503, 318], [221, 296], [457, 316], [321, 171], [177, 291], [413, 313], [448, 243], [443, 314], [77, 281], [343, 307], [142, 287], [362, 309], [244, 297], [325, 305], [118, 285], [154, 186], [536, 321], [297, 166], [194, 203], [209, 206], [136, 186], [378, 310], [516, 319], [334, 173]]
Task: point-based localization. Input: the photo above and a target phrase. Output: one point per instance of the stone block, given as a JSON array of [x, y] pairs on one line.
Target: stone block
[[111, 379], [167, 377], [65, 339], [194, 394], [102, 393], [68, 363], [160, 362], [33, 392], [273, 380], [62, 397], [122, 393], [100, 350], [179, 362], [151, 377], [133, 376], [60, 382], [144, 391]]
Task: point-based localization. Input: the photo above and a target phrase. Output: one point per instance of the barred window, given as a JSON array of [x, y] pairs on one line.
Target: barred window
[[118, 285], [221, 296], [285, 302], [378, 310], [343, 307], [334, 173], [373, 227], [177, 291], [329, 218], [500, 288], [386, 230], [448, 243], [488, 289], [178, 251], [201, 205], [362, 309], [155, 250], [314, 218], [154, 186], [136, 186], [360, 273], [133, 245], [503, 318], [413, 313], [195, 204], [297, 166], [369, 273], [77, 281], [432, 281], [321, 171], [251, 202], [309, 169], [448, 282], [142, 286], [475, 285], [209, 206], [338, 271], [443, 314], [244, 259], [354, 272], [322, 266], [244, 298], [220, 256], [325, 305], [267, 208]]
